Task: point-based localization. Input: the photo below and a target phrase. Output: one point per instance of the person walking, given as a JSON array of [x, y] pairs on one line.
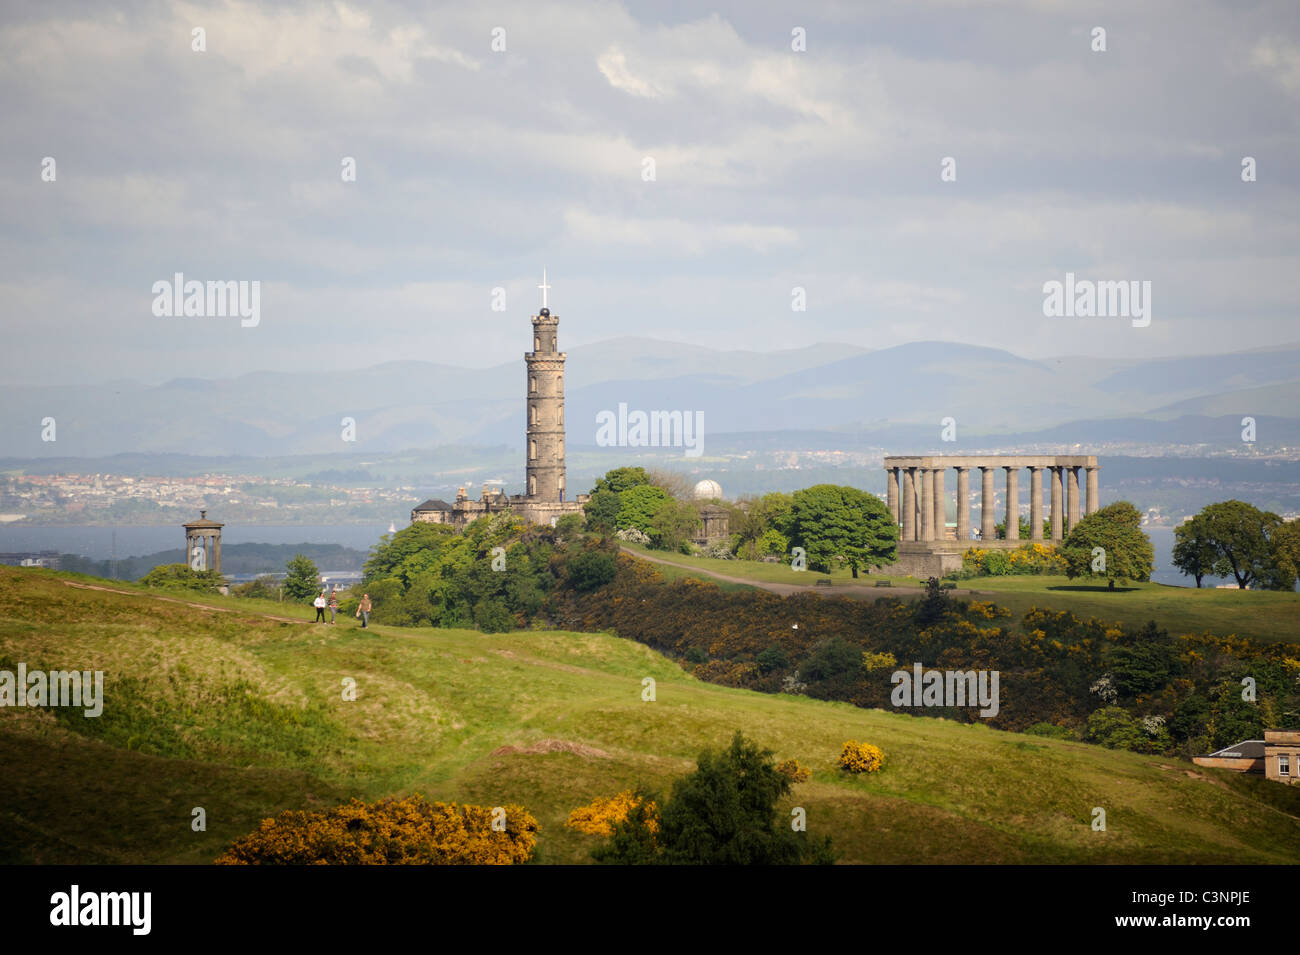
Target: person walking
[[363, 610], [319, 604], [334, 604]]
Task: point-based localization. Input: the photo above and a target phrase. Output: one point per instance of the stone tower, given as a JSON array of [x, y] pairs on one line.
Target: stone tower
[[544, 473]]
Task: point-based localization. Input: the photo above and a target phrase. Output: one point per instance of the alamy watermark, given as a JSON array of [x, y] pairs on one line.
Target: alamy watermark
[[193, 299], [655, 429], [1088, 299], [75, 688], [950, 688]]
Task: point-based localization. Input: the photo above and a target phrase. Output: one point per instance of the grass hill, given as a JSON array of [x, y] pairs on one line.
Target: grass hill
[[1268, 616], [235, 706]]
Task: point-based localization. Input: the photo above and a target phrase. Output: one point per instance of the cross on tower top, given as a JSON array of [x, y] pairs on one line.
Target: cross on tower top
[[544, 287]]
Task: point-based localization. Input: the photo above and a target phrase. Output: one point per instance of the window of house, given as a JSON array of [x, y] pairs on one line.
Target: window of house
[[1284, 765]]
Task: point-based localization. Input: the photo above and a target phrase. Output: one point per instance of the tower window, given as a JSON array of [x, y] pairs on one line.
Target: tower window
[[532, 486], [532, 382], [532, 450], [537, 343], [532, 414], [561, 414]]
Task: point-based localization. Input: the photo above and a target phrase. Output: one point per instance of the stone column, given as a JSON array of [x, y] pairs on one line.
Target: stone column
[[1094, 502], [1072, 495], [909, 504], [1035, 504], [216, 552], [927, 504], [891, 491], [987, 517], [963, 504], [1013, 504], [940, 506], [1056, 504]]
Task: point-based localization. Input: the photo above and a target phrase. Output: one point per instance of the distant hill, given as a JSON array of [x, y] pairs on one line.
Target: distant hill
[[901, 393]]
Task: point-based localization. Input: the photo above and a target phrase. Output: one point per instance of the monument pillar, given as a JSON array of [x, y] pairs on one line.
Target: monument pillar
[[1056, 504], [909, 504], [927, 505], [1035, 504], [963, 504], [1013, 503], [1094, 502], [1072, 495], [987, 518], [940, 506], [891, 491]]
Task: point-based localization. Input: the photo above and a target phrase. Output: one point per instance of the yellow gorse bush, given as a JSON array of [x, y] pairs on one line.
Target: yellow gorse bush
[[598, 818], [861, 757], [792, 769], [410, 831]]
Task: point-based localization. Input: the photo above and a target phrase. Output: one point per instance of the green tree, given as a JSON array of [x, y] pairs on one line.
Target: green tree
[[602, 512], [1194, 552], [637, 507], [842, 525], [591, 569], [934, 606], [1241, 536], [674, 522], [1112, 727], [1286, 556], [621, 479], [1126, 551], [759, 522], [303, 578]]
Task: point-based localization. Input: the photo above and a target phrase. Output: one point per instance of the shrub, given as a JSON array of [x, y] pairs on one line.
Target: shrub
[[264, 587], [410, 831], [1050, 730], [493, 616], [182, 577], [724, 813], [791, 769], [600, 816], [773, 658], [591, 569], [861, 757]]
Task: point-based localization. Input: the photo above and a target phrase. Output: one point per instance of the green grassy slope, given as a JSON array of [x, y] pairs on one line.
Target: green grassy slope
[[1272, 616], [242, 715]]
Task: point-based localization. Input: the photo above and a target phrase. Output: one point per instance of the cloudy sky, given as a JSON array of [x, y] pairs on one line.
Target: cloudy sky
[[773, 169]]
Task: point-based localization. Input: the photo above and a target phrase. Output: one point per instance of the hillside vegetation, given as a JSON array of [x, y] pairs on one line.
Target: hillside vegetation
[[240, 713]]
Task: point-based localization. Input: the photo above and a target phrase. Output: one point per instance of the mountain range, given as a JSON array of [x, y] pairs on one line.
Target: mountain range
[[895, 397]]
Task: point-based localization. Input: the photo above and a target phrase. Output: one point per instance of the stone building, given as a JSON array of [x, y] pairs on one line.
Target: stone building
[[203, 543], [1282, 755], [1276, 756], [929, 546], [543, 500]]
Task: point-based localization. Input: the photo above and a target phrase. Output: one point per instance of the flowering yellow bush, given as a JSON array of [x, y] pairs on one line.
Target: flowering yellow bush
[[410, 831], [791, 768], [861, 757], [598, 818]]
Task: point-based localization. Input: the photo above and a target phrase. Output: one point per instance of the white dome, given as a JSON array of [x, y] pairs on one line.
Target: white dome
[[708, 490]]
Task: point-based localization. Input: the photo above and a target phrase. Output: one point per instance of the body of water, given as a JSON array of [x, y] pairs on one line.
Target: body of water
[[97, 543]]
